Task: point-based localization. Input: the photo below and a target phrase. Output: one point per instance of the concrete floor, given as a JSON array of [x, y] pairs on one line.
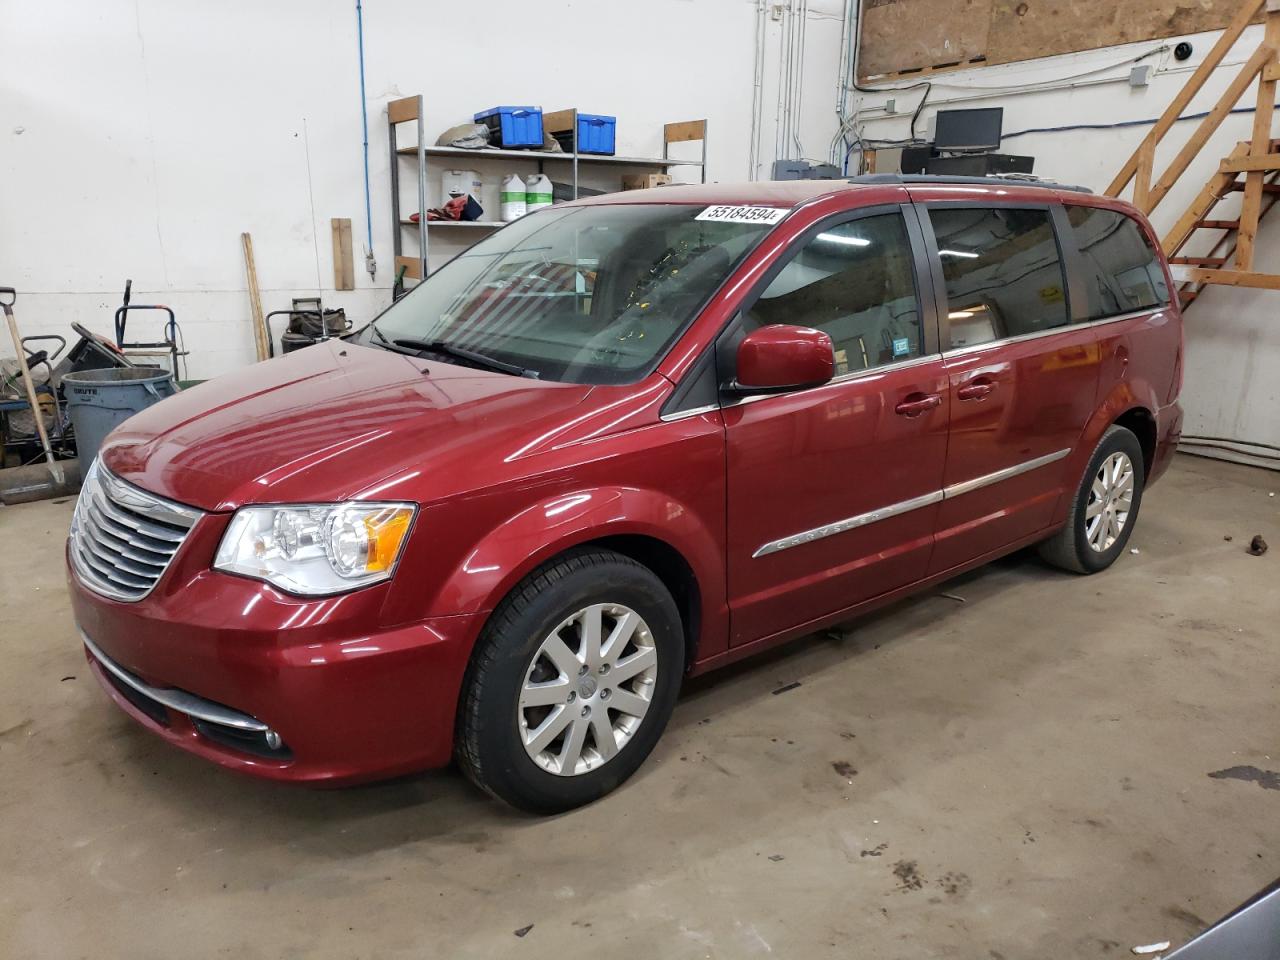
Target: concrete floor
[[1027, 773]]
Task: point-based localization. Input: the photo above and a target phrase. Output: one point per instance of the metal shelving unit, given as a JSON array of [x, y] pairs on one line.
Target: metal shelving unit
[[408, 110]]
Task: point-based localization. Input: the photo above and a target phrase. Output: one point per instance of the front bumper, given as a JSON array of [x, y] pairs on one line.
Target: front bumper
[[211, 662]]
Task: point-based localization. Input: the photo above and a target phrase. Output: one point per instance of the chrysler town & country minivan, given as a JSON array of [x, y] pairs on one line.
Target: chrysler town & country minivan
[[622, 441]]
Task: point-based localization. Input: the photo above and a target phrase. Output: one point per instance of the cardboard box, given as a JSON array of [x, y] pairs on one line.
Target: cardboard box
[[643, 181]]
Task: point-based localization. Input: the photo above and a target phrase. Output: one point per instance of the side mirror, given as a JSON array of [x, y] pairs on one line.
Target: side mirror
[[780, 357]]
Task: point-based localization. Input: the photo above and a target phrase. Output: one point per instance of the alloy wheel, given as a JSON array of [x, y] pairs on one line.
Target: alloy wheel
[[1110, 501], [587, 689]]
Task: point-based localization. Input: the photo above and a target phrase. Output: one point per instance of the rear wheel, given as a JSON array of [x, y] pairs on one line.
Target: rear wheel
[[1104, 509], [572, 682]]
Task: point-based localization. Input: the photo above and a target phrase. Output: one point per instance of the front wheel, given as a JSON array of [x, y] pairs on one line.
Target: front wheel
[[571, 683], [1104, 509]]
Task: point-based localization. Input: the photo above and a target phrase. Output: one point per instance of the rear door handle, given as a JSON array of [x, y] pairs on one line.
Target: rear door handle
[[918, 403], [976, 390]]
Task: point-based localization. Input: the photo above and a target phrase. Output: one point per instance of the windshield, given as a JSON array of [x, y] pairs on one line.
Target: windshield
[[591, 294]]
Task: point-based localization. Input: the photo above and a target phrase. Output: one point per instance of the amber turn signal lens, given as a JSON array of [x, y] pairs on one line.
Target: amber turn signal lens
[[386, 531]]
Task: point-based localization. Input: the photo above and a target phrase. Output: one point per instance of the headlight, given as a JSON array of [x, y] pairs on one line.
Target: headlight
[[316, 549]]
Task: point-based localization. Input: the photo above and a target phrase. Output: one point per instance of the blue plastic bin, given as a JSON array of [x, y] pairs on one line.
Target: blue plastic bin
[[596, 133], [513, 126]]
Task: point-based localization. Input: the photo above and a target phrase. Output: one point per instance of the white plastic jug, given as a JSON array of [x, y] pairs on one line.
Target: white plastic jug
[[454, 183], [537, 192], [511, 198]]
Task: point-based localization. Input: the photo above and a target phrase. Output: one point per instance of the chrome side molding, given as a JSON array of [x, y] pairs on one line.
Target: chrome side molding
[[906, 506], [849, 523], [1008, 473]]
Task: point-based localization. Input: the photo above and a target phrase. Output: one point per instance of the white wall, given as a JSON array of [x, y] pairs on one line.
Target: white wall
[[1233, 336], [139, 139]]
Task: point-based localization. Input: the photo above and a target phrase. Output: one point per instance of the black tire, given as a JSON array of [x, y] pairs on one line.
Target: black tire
[[489, 743], [1070, 548]]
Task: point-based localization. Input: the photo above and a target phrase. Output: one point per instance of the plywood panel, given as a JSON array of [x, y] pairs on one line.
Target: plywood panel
[[913, 36], [1025, 29], [902, 35]]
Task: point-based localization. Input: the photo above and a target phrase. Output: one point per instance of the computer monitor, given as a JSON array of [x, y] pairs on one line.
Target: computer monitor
[[968, 129]]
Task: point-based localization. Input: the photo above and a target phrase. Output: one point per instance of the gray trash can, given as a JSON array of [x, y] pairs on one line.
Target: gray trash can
[[100, 400]]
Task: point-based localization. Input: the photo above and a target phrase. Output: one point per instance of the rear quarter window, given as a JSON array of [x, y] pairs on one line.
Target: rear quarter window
[[1122, 270]]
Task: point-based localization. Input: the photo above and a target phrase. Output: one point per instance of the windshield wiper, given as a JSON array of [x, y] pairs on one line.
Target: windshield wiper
[[380, 335], [461, 353]]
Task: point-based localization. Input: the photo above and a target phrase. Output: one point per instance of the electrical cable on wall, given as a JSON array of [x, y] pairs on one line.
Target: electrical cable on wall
[[850, 133], [1117, 124]]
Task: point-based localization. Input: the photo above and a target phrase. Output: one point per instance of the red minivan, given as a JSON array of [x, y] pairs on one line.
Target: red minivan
[[622, 441]]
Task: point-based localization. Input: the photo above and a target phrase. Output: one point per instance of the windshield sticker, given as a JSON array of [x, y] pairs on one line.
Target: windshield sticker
[[725, 214]]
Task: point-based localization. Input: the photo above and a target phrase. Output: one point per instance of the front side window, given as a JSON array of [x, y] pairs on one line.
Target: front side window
[[1003, 273], [854, 281], [1122, 270], [592, 294]]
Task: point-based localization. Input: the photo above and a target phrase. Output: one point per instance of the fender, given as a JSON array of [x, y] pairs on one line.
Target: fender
[[516, 547], [1125, 395]]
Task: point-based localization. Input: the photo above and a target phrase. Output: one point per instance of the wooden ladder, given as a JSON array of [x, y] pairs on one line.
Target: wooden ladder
[[1256, 159]]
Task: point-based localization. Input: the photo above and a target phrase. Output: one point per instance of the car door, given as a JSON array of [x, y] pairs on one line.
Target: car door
[[1021, 375], [832, 491]]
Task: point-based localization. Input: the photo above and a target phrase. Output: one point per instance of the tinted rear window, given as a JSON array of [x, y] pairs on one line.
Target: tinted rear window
[[1122, 270], [1004, 275]]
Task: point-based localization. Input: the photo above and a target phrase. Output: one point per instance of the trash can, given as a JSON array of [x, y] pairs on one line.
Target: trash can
[[100, 400]]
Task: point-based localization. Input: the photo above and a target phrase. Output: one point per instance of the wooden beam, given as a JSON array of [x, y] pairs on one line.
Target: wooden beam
[[1224, 247], [1263, 55], [412, 267], [344, 267], [1202, 204], [1266, 188], [1218, 224], [1235, 278], [398, 111], [1259, 146], [1225, 41], [684, 130], [1199, 261], [260, 341], [1142, 177], [1259, 161]]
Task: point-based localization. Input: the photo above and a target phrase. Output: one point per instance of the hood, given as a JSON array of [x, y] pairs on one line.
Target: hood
[[332, 422]]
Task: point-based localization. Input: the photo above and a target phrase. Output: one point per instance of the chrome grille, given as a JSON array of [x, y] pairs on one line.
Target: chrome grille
[[123, 538]]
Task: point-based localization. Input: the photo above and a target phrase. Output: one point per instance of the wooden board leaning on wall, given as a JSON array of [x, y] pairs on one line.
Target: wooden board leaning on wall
[[905, 38]]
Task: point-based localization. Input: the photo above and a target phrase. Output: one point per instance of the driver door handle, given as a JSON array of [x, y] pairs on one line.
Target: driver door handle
[[976, 390], [918, 403]]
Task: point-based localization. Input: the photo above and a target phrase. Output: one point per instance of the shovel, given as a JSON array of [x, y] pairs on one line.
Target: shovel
[[7, 297]]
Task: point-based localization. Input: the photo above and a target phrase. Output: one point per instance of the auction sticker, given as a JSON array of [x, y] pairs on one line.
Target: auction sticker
[[725, 214]]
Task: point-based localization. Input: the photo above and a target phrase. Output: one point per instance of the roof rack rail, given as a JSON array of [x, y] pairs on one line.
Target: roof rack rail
[[1022, 178]]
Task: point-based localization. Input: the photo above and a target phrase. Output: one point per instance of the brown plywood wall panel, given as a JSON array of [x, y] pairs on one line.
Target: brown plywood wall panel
[[1026, 29], [903, 35], [914, 36]]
